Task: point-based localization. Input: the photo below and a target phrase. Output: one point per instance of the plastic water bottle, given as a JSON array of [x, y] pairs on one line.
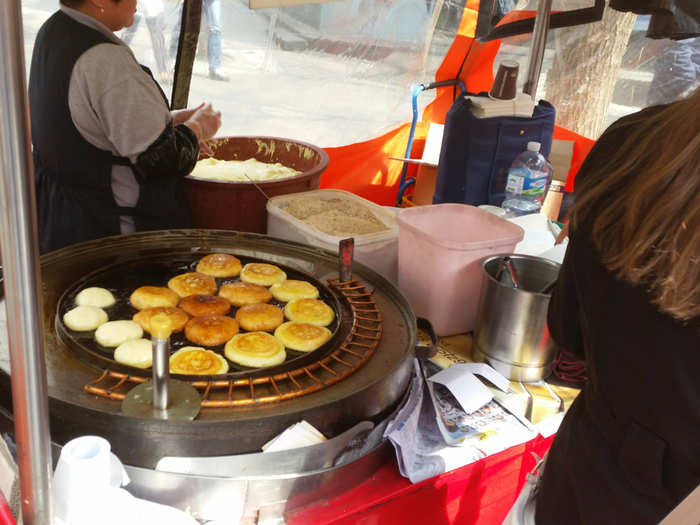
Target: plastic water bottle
[[527, 182]]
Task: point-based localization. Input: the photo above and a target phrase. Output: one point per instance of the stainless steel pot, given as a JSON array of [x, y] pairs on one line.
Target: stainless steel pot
[[511, 331]]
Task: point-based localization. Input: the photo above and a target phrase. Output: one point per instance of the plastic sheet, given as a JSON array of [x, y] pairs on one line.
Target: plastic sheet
[[593, 80], [331, 74]]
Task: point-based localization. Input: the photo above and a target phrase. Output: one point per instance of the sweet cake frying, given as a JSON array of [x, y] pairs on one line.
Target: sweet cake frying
[[260, 316], [211, 330], [219, 265], [193, 360], [192, 283], [255, 349], [95, 296], [178, 318], [240, 293], [113, 333], [85, 318], [310, 311], [152, 297], [262, 273], [304, 337], [199, 305], [291, 289], [136, 352]]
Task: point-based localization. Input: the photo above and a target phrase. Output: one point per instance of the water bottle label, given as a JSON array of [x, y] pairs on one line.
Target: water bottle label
[[516, 180], [535, 184], [526, 182]]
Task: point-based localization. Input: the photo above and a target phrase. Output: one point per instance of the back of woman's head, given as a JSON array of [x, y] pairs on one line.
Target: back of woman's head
[[644, 207]]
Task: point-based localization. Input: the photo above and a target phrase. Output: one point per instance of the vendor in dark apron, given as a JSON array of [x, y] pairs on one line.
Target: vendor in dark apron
[[109, 156]]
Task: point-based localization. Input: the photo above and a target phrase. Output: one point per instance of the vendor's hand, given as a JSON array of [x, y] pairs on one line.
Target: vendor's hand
[[205, 148], [204, 122], [182, 115]]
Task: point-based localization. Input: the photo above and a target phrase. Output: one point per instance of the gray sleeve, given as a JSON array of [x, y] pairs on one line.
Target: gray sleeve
[[114, 104]]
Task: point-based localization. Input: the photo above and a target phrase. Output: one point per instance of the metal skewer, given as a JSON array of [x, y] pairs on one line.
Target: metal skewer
[[256, 185]]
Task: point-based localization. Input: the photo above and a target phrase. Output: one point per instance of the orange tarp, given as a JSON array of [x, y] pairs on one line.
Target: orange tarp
[[364, 168]]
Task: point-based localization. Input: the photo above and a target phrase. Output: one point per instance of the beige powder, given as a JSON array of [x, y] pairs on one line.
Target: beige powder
[[335, 217]]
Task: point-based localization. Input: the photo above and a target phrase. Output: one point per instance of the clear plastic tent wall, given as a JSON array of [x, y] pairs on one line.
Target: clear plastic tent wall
[[332, 74]]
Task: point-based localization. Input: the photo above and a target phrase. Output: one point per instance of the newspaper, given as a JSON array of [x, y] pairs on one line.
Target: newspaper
[[421, 449]]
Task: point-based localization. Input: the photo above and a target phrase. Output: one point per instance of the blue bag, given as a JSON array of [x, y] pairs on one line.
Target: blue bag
[[477, 152]]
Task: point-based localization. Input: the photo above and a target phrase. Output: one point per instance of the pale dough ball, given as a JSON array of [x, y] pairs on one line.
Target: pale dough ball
[[136, 352], [114, 333], [85, 318], [95, 296]]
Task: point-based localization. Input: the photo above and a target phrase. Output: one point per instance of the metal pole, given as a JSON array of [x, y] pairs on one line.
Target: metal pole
[[539, 41], [20, 255]]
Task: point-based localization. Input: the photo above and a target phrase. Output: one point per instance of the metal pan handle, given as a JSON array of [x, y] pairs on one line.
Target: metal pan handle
[[426, 351]]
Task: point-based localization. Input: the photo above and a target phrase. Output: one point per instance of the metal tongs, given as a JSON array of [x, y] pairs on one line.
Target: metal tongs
[[507, 266]]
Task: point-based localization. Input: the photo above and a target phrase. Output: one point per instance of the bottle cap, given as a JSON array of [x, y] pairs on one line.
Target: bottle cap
[[533, 146]]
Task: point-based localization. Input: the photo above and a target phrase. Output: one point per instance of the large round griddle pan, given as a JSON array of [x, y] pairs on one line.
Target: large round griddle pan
[[366, 394]]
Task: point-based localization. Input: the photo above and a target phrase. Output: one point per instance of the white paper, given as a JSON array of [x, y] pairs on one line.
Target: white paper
[[302, 434], [433, 144], [86, 489], [467, 389]]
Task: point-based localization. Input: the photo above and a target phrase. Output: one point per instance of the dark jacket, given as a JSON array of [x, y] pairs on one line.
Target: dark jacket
[[628, 450]]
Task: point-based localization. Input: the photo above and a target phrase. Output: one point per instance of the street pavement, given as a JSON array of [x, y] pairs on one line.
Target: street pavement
[[330, 74]]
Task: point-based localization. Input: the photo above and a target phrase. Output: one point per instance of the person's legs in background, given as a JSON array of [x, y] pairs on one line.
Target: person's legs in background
[[156, 29], [175, 34], [212, 12]]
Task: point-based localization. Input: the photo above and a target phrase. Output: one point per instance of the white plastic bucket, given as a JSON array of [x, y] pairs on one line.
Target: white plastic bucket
[[440, 252], [377, 250]]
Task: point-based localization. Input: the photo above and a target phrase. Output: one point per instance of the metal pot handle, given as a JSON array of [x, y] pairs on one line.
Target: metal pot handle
[[425, 351]]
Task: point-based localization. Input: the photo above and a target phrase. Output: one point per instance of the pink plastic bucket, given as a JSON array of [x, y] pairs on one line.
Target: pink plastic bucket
[[440, 252]]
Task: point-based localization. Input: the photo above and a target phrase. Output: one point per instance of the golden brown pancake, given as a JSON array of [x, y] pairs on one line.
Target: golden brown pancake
[[192, 360], [262, 273], [219, 265], [95, 296], [199, 305], [259, 316], [241, 293], [192, 283], [178, 318], [113, 333], [310, 311], [290, 289], [211, 330], [255, 349], [135, 352], [152, 296], [85, 318], [304, 337]]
